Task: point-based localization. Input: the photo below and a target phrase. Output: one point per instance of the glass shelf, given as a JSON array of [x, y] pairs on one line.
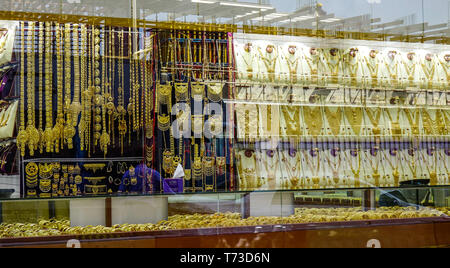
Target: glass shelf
[[241, 193]]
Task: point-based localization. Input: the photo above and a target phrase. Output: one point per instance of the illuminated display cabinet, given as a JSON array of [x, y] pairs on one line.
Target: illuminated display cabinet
[[128, 127]]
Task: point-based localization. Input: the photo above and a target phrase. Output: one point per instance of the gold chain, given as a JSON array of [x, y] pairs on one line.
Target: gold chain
[[334, 120], [33, 133], [22, 137]]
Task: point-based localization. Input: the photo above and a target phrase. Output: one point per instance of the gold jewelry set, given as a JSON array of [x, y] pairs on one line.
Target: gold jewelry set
[[52, 180]]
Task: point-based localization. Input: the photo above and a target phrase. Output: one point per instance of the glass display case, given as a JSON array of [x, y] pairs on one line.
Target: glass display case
[[218, 123]]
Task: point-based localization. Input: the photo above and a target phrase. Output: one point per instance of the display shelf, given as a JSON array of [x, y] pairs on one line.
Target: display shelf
[[227, 194]]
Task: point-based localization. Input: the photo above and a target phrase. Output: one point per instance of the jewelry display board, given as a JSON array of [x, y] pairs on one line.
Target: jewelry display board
[[348, 113]]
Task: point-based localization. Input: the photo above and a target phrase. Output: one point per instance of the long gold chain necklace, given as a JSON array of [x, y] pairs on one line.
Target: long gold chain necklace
[[334, 120], [394, 166], [105, 139], [98, 98], [58, 129], [314, 120], [33, 133], [355, 118], [82, 126], [248, 63], [374, 163], [75, 106], [314, 170], [374, 117], [22, 137], [121, 107], [356, 172], [431, 167], [335, 166], [69, 129], [48, 133], [41, 85], [411, 163]]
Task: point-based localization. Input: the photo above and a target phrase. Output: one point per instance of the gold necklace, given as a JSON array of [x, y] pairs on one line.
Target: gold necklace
[[395, 125], [394, 167], [333, 63], [98, 98], [429, 73], [58, 129], [315, 172], [431, 171], [181, 91], [375, 168], [355, 118], [248, 64], [334, 120], [33, 133], [292, 120], [41, 85], [314, 120], [375, 117], [373, 70], [410, 68], [356, 172], [69, 130], [215, 91], [270, 65], [432, 127], [313, 63], [198, 91], [75, 106], [412, 166], [163, 94], [122, 125], [82, 126], [293, 68], [48, 138], [413, 118], [353, 67], [22, 137], [393, 72], [335, 167], [445, 66], [105, 139]]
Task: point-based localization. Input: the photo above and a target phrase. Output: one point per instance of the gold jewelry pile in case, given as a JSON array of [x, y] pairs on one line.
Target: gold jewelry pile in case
[[62, 227], [80, 63]]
